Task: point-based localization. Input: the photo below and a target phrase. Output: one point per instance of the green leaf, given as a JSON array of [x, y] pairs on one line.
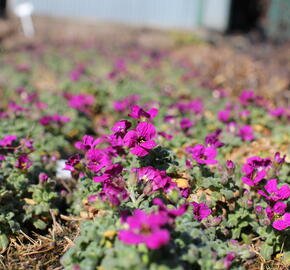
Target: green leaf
[[266, 251], [4, 242]]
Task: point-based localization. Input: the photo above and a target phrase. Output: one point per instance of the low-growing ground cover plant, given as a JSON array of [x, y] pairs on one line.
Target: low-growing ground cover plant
[[163, 173]]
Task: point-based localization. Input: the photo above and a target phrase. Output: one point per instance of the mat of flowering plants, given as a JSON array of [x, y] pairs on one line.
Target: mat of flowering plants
[[112, 157]]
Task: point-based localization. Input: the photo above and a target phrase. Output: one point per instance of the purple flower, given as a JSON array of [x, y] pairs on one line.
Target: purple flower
[[141, 139], [7, 141], [274, 193], [224, 116], [57, 119], [171, 213], [283, 223], [255, 170], [230, 166], [138, 113], [97, 160], [146, 228], [27, 143], [114, 192], [87, 143], [185, 123], [278, 112], [23, 162], [42, 177], [212, 139], [278, 159], [202, 154], [277, 209], [81, 102], [72, 163], [110, 172], [200, 210], [246, 97], [128, 102], [154, 179], [228, 260], [246, 133]]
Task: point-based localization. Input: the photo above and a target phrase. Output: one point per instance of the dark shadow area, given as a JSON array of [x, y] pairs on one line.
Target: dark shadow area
[[3, 6]]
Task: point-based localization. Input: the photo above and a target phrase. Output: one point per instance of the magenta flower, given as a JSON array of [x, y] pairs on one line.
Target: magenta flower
[[224, 116], [42, 177], [246, 133], [278, 159], [97, 160], [87, 143], [277, 112], [171, 213], [283, 223], [146, 228], [128, 102], [54, 119], [246, 97], [212, 139], [230, 166], [141, 139], [154, 179], [23, 162], [255, 170], [7, 141], [274, 193], [81, 102], [278, 209], [202, 154], [228, 260], [72, 163], [185, 123], [200, 210], [138, 113], [110, 172], [114, 192]]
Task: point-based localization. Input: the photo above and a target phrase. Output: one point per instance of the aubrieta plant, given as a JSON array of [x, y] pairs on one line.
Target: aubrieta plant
[[164, 172], [189, 213]]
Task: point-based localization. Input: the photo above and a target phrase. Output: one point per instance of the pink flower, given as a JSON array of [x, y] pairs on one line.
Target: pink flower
[[200, 210], [114, 192], [23, 162], [171, 213], [185, 123], [97, 160], [7, 141], [146, 228], [154, 179], [110, 172], [202, 154], [141, 139], [228, 260], [255, 170], [246, 97], [224, 116], [246, 133], [42, 177], [72, 163], [283, 223], [274, 193], [277, 209], [87, 143], [212, 139], [278, 112], [81, 102], [138, 113]]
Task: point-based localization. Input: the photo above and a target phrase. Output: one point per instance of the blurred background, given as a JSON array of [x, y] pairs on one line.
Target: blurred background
[[237, 44], [265, 18]]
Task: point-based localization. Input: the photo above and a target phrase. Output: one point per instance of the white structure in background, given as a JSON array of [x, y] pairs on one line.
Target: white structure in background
[[184, 14], [24, 11]]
